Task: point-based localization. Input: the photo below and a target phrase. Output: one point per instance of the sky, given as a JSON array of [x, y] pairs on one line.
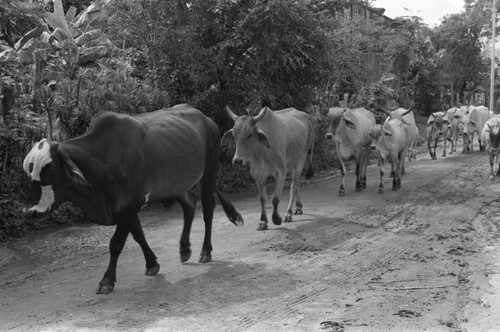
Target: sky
[[431, 11]]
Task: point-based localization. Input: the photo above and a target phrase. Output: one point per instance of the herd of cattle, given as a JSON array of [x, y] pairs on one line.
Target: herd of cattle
[[125, 162]]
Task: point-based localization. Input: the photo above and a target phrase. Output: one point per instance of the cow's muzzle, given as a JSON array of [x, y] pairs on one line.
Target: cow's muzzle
[[33, 214], [237, 161], [329, 136]]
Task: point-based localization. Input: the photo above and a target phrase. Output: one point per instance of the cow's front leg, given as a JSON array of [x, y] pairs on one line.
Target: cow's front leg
[[358, 174], [492, 167], [116, 244], [429, 146], [152, 266], [342, 176], [280, 183], [261, 186], [381, 185]]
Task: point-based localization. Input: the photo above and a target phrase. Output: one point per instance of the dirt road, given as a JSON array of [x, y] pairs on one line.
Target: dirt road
[[422, 258]]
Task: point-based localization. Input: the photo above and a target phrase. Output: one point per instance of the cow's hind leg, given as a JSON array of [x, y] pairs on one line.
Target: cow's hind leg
[[188, 207], [208, 205], [294, 192], [116, 244]]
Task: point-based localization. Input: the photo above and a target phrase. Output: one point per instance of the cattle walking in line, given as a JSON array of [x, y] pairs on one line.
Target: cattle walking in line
[[437, 126], [274, 143], [455, 116], [491, 139], [350, 130], [474, 123], [391, 140], [408, 118], [124, 162]]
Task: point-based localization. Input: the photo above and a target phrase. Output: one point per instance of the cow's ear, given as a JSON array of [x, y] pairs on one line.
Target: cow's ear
[[75, 174], [71, 170], [228, 135], [349, 123], [263, 138], [430, 123], [446, 122]]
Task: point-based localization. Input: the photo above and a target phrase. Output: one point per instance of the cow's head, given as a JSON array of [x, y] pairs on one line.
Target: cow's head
[[249, 138], [376, 134], [438, 121], [494, 132], [338, 116], [51, 172]]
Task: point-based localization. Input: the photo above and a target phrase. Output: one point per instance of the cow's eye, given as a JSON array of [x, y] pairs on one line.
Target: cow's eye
[[250, 136]]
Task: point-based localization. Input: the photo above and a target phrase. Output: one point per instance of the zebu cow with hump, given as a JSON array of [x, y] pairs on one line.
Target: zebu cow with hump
[[474, 123], [350, 129], [273, 143], [437, 126], [391, 140], [491, 139], [455, 116], [124, 162], [408, 118]]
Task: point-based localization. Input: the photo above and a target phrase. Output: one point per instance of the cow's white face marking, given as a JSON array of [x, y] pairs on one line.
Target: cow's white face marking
[[46, 200], [39, 156]]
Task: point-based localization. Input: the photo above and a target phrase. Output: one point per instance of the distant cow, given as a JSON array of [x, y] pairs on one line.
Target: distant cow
[[124, 162], [491, 139], [273, 143], [437, 126], [455, 116], [473, 123], [350, 129], [391, 140], [407, 117]]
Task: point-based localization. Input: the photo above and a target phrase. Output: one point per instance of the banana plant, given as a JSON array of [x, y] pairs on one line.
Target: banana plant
[[70, 43]]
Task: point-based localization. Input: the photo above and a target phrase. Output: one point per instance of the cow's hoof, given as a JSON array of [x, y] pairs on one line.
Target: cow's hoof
[[395, 188], [185, 255], [288, 218], [205, 257], [341, 193], [380, 191], [359, 188], [152, 271], [491, 178], [298, 211], [434, 158], [277, 220], [262, 226], [104, 288]]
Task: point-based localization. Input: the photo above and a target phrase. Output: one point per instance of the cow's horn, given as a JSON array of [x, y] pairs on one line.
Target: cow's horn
[[261, 114], [408, 111], [385, 112], [231, 114]]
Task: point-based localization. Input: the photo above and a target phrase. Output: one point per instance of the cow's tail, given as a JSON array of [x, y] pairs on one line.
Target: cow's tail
[[312, 137], [230, 210]]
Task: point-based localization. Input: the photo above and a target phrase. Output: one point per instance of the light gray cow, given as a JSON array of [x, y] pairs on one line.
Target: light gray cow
[[274, 143]]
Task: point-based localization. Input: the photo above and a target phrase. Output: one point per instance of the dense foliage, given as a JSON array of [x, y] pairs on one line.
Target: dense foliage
[[61, 62]]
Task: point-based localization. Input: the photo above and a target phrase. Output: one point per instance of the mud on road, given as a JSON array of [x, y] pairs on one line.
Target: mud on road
[[422, 258]]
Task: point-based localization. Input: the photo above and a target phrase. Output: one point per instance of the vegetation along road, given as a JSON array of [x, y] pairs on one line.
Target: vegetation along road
[[422, 258]]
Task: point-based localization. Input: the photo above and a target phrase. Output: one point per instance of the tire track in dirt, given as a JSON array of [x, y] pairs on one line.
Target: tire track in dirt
[[351, 271]]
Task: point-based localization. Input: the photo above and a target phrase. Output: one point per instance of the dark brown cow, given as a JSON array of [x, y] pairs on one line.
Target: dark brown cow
[[124, 162]]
